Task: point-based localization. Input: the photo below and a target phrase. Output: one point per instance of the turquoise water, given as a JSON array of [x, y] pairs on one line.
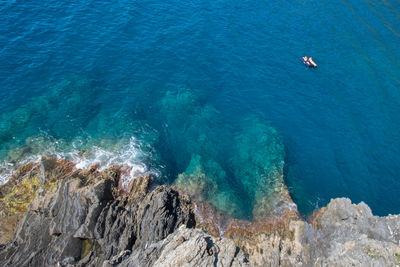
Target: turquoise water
[[210, 96]]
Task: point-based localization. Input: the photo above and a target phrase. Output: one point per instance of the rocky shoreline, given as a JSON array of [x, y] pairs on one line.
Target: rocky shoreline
[[52, 214]]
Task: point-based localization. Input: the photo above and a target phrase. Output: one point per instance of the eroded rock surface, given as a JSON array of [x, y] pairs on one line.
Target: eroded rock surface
[[186, 247], [349, 235], [341, 234], [83, 218]]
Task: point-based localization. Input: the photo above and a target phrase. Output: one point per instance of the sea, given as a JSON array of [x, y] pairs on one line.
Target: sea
[[210, 96]]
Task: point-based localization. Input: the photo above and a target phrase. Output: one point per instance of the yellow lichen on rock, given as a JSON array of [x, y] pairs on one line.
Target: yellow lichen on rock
[[20, 196], [397, 257], [20, 190], [87, 246], [372, 252], [24, 185]]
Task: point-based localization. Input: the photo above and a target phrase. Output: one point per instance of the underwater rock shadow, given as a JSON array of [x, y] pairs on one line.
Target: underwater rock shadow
[[245, 180]]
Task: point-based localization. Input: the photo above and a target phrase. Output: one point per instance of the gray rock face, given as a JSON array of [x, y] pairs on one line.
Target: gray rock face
[[349, 235], [357, 220], [195, 248], [187, 247], [341, 234], [85, 220]]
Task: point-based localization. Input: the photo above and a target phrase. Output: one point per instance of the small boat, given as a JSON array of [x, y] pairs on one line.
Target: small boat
[[309, 62]]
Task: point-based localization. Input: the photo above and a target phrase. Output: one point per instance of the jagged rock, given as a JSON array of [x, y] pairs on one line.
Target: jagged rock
[[195, 248], [85, 208], [84, 218], [25, 184], [350, 235], [344, 234], [357, 220], [189, 247]]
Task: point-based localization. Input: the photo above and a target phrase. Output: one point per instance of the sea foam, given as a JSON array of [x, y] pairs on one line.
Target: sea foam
[[127, 153]]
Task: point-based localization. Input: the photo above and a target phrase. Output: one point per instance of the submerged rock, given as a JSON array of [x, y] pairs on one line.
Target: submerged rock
[[85, 219]]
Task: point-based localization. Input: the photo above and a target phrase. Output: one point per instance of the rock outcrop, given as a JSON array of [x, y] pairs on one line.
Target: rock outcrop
[[84, 218], [341, 234], [186, 247]]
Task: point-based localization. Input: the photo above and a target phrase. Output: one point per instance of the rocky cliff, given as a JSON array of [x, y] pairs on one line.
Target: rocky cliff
[[55, 215]]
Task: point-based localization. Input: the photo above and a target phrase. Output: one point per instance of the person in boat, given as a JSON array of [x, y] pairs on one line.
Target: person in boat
[[309, 62]]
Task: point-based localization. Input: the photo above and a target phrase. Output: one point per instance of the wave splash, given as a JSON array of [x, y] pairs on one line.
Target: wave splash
[[127, 153]]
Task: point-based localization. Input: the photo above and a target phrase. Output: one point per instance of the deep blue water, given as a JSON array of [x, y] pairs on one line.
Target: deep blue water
[[212, 88]]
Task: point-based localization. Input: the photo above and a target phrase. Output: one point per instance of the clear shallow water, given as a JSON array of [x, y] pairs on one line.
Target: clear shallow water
[[211, 89]]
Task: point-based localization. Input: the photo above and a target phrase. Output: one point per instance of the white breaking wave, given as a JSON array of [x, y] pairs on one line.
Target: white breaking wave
[[7, 168], [130, 155]]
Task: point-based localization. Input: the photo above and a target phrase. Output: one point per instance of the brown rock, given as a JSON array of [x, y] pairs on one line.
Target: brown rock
[[8, 224]]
